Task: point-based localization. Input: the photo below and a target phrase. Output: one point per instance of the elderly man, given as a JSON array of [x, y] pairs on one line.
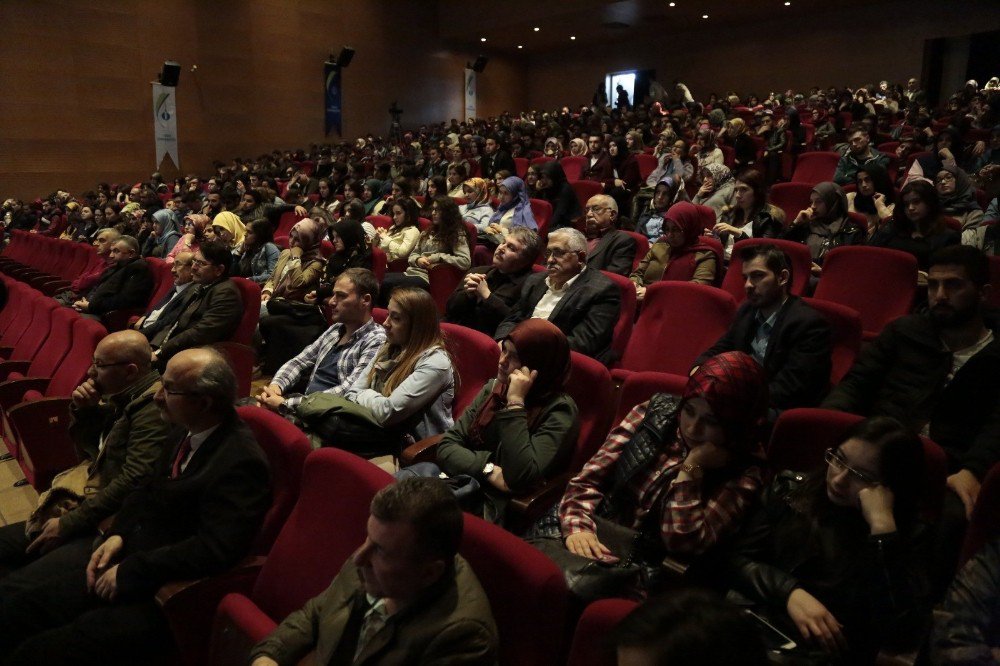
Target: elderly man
[[582, 302], [404, 597], [196, 517], [608, 249], [119, 438], [488, 293], [127, 283], [211, 314], [174, 300], [103, 240], [340, 355], [859, 154]]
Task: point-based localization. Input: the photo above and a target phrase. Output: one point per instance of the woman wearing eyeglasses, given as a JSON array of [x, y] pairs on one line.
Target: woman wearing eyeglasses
[[834, 556]]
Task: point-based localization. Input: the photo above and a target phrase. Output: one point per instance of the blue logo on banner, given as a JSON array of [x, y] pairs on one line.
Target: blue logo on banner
[[331, 75]]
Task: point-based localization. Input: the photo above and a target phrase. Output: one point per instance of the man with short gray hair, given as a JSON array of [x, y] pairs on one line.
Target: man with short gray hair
[[126, 284], [608, 249], [582, 302]]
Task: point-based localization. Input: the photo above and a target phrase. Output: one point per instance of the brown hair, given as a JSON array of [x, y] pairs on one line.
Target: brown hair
[[425, 333]]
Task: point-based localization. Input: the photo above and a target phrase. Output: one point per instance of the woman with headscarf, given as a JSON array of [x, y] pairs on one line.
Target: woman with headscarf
[[680, 254], [521, 425], [514, 211], [650, 222], [553, 148], [874, 197], [626, 170], [708, 152], [946, 151], [229, 229], [825, 224], [299, 267], [371, 194], [195, 226], [166, 234], [743, 146], [682, 472], [917, 225], [554, 188], [478, 210], [717, 187], [577, 147], [958, 196]]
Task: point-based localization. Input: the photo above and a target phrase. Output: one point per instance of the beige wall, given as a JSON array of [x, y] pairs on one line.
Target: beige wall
[[76, 102], [835, 48]]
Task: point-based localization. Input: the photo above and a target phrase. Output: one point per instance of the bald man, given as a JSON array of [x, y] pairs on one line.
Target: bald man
[[120, 440], [196, 517]]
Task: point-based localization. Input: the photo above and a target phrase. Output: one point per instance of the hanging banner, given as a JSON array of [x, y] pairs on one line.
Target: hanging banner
[[331, 75], [165, 123], [470, 94]]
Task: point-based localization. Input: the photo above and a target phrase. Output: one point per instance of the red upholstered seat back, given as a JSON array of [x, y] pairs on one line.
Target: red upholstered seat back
[[476, 356]]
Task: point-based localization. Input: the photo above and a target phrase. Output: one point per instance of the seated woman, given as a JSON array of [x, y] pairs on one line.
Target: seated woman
[[577, 147], [708, 152], [743, 146], [165, 235], [917, 225], [399, 240], [958, 197], [717, 187], [327, 197], [679, 254], [196, 230], [521, 424], [680, 471], [874, 197], [514, 211], [650, 222], [531, 181], [229, 229], [835, 555], [444, 242], [626, 170], [750, 216], [408, 390], [825, 224], [478, 210], [260, 255], [299, 267], [457, 174], [437, 186], [371, 194], [554, 188]]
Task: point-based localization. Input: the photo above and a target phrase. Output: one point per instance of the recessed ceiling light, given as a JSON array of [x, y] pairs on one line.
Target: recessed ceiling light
[[673, 4], [482, 39], [788, 4], [520, 46], [537, 29], [704, 15], [572, 36]]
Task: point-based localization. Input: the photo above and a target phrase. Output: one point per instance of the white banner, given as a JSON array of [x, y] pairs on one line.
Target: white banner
[[165, 123], [470, 94]]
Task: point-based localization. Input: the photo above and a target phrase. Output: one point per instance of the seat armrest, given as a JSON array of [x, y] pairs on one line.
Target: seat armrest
[[530, 506], [177, 592], [12, 390], [423, 451], [9, 366]]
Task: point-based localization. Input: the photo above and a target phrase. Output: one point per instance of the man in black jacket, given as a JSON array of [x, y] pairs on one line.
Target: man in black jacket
[[126, 284], [496, 159], [787, 337], [608, 249], [583, 302], [196, 517], [487, 294]]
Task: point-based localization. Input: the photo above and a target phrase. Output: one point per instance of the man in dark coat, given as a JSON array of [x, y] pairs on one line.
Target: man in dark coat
[[126, 284]]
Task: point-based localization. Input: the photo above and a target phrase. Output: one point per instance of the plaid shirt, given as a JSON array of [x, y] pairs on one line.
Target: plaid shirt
[[361, 348], [689, 524]]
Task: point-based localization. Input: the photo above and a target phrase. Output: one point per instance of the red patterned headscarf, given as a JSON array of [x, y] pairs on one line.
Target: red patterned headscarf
[[735, 387]]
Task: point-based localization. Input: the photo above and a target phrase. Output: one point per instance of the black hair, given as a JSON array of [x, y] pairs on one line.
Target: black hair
[[972, 259], [217, 254], [430, 507], [774, 258]]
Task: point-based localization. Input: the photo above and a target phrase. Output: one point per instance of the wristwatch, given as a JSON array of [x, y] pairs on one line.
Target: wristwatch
[[488, 469]]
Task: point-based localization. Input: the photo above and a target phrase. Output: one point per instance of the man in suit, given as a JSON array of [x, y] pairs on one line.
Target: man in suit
[[196, 517], [495, 159], [488, 293], [608, 249], [582, 302], [787, 337], [168, 307], [211, 314], [127, 283], [404, 597]]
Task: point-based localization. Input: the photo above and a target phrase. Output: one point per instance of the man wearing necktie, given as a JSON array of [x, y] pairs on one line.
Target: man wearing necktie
[[197, 517], [165, 311]]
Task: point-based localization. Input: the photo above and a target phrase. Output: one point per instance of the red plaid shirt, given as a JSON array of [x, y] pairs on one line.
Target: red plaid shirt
[[690, 524]]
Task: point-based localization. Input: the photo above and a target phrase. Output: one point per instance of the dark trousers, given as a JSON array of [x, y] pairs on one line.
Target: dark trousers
[[13, 543], [949, 533], [47, 616]]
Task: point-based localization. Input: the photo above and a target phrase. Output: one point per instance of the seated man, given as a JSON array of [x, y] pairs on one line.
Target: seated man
[[487, 294], [582, 302], [210, 315], [404, 597], [339, 355], [103, 241], [859, 154], [173, 301], [937, 372], [126, 284], [787, 337], [119, 438], [608, 249], [196, 517]]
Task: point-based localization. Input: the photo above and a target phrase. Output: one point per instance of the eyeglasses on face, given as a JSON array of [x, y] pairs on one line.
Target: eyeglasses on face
[[835, 460], [556, 252], [170, 390], [595, 209], [198, 263], [98, 364]]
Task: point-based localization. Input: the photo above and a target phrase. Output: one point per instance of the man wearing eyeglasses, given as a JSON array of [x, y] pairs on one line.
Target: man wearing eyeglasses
[[608, 249], [211, 314], [127, 283], [583, 302], [119, 438], [167, 308]]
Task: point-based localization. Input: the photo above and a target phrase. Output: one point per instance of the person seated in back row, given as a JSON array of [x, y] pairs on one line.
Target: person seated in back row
[[608, 248], [582, 302], [787, 337]]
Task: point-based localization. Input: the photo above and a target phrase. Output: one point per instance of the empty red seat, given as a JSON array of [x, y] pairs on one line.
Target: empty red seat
[[250, 293], [641, 247], [790, 198], [476, 357], [647, 164], [626, 313], [520, 167], [845, 339], [584, 189], [815, 167]]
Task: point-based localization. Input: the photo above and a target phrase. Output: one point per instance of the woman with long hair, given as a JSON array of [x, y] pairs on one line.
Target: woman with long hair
[[521, 425], [457, 174], [399, 240], [409, 388], [917, 226], [260, 255], [437, 186], [750, 216], [834, 555], [679, 254]]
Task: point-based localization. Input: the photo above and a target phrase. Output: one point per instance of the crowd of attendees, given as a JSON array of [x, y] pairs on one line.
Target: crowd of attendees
[[841, 558]]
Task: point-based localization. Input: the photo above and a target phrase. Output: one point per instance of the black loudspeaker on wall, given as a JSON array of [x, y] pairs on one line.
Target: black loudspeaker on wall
[[170, 74], [345, 57], [480, 64]]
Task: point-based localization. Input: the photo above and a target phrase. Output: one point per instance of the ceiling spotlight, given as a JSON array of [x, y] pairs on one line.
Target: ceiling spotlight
[[704, 15], [788, 4], [673, 4], [482, 39], [537, 29], [572, 36], [520, 46]]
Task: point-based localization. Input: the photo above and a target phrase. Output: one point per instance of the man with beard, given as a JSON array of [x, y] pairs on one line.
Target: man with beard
[[938, 373]]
